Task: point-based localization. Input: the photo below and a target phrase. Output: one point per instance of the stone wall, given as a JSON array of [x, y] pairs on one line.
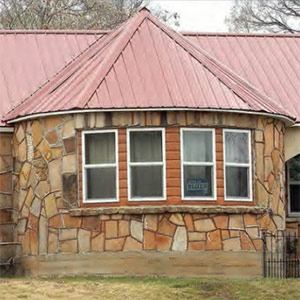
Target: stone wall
[[47, 186]]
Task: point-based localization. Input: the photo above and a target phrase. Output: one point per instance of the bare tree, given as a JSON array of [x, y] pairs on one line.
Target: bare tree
[[65, 14], [265, 16]]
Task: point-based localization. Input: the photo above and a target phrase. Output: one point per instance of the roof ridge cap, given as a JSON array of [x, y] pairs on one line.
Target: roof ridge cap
[[54, 31], [241, 34]]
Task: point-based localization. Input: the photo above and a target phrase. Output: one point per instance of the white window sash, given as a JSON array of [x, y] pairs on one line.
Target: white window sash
[[291, 182], [99, 166], [197, 164], [145, 164], [244, 165]]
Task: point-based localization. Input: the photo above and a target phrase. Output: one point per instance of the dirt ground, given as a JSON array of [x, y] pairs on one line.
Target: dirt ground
[[149, 288]]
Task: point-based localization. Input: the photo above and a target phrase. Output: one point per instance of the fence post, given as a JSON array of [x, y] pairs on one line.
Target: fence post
[[264, 256]]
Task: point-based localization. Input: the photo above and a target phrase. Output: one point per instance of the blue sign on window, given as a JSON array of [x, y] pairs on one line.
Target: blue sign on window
[[197, 187]]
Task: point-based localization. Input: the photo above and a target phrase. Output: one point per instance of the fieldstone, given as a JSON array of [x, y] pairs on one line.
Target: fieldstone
[[189, 223], [26, 244], [37, 132], [264, 221], [214, 241], [35, 208], [236, 222], [259, 159], [111, 229], [268, 166], [197, 236], [56, 152], [21, 226], [29, 197], [124, 228], [43, 235], [177, 219], [69, 163], [69, 246], [79, 120], [98, 243], [117, 217], [249, 219], [279, 222], [100, 120], [42, 189], [276, 161], [52, 137], [91, 223], [246, 242], [84, 237], [132, 245], [166, 227], [150, 222], [253, 232], [269, 139], [50, 205], [180, 239], [114, 244], [25, 174], [70, 145], [20, 134], [259, 136], [52, 243], [34, 246], [136, 230], [52, 122], [262, 195], [221, 221], [234, 233], [149, 240], [45, 150], [69, 186], [70, 221], [196, 246], [56, 221], [55, 178], [5, 144], [68, 234], [68, 129], [204, 225], [258, 243], [232, 244], [163, 242], [225, 234]]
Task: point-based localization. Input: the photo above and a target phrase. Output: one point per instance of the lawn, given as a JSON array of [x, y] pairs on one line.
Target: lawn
[[148, 288]]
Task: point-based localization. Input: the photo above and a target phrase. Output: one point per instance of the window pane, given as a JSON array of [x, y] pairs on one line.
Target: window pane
[[294, 168], [101, 183], [197, 146], [145, 146], [237, 148], [237, 182], [100, 148], [198, 181], [146, 181], [295, 198]]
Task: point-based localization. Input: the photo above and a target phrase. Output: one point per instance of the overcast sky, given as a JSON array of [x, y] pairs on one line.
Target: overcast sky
[[199, 15]]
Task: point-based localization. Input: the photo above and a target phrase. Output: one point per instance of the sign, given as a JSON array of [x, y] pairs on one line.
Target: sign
[[197, 187]]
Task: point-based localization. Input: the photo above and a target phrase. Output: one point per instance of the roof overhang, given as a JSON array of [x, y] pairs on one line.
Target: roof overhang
[[287, 120]]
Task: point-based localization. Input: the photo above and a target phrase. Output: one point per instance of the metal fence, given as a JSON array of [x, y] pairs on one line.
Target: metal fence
[[281, 255]]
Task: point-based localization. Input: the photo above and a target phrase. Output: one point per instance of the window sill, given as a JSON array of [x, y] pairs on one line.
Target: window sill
[[159, 209], [292, 219]]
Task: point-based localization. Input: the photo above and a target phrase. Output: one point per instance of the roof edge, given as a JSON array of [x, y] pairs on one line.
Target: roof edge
[[6, 129], [52, 31], [242, 34], [286, 119]]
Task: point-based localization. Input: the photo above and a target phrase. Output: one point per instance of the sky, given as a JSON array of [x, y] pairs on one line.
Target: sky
[[199, 15]]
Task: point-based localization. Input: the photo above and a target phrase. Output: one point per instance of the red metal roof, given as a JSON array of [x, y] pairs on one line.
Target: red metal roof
[[28, 59], [144, 64], [270, 62]]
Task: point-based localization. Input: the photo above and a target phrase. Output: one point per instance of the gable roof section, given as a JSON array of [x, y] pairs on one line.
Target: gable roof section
[[145, 65], [30, 58], [270, 62]]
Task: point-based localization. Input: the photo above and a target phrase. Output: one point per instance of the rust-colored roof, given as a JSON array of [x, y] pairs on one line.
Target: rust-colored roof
[[29, 58], [144, 64], [270, 62]]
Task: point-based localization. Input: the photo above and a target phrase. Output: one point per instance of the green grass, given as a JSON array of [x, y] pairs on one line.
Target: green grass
[[148, 288]]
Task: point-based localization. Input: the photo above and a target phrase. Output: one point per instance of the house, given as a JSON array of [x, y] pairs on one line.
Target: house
[[146, 151]]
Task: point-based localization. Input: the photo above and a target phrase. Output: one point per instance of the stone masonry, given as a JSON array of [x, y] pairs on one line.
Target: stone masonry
[[47, 185]]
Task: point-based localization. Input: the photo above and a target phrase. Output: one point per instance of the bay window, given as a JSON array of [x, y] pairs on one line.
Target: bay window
[[198, 170], [100, 166], [237, 165], [293, 167], [146, 164]]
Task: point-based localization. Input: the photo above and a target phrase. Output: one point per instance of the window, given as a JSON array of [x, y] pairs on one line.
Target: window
[[99, 166], [294, 185], [237, 165], [146, 164], [198, 164]]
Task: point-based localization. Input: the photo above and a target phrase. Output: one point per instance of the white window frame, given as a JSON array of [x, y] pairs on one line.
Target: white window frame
[[108, 165], [132, 164], [289, 182], [249, 165], [213, 164]]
